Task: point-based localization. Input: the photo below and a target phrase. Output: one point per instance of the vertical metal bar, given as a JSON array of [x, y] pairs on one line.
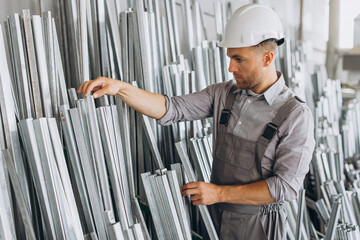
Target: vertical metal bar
[[102, 36], [170, 27], [126, 140], [122, 164], [115, 34], [50, 59], [93, 41], [205, 163], [300, 214], [159, 41], [143, 31], [76, 166], [160, 208], [191, 177], [7, 105], [94, 198], [167, 56], [199, 68], [73, 97], [129, 234], [140, 151], [156, 68], [41, 62], [124, 30], [179, 204], [152, 142], [152, 201], [50, 174], [140, 218], [20, 66], [206, 67], [64, 99], [98, 151], [189, 27], [198, 24], [108, 150], [27, 132], [333, 218], [5, 157], [218, 20], [64, 175], [217, 65], [211, 61], [169, 207], [7, 230], [175, 26], [115, 232], [83, 36], [30, 47], [138, 234], [198, 162], [2, 132]]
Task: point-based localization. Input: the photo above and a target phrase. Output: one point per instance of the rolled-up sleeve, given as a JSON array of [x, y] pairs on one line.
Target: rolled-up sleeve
[[293, 155], [190, 107]]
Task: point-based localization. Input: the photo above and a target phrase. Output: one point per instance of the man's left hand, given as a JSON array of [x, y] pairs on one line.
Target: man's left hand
[[202, 193]]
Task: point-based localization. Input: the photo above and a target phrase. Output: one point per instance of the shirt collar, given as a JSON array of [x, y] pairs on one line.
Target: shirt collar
[[271, 93]]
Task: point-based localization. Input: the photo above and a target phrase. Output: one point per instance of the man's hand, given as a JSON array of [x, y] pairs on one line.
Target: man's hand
[[202, 193], [101, 86]]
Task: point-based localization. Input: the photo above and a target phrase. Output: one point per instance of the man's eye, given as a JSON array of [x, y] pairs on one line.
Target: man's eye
[[238, 59]]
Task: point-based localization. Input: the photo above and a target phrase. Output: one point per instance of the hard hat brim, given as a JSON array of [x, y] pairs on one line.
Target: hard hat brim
[[229, 44]]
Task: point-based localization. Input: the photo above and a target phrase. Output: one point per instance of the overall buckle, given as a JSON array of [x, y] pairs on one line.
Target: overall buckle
[[224, 118], [270, 131]]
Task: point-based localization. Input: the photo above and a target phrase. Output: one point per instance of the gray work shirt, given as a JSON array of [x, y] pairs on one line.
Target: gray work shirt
[[287, 159]]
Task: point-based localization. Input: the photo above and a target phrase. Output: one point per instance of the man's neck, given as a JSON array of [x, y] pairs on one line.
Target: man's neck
[[268, 80]]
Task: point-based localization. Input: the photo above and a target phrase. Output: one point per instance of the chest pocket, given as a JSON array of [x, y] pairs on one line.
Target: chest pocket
[[235, 156]]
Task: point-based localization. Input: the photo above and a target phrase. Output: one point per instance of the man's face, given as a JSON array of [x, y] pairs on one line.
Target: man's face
[[246, 66]]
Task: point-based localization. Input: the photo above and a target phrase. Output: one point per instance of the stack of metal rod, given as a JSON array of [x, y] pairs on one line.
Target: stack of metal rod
[[191, 177], [166, 203], [33, 86], [201, 153], [333, 170], [100, 162], [36, 66]]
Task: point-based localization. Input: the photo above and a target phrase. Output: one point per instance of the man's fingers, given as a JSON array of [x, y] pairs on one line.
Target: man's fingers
[[91, 85], [99, 93], [195, 197], [81, 88], [197, 203], [190, 185], [189, 192]]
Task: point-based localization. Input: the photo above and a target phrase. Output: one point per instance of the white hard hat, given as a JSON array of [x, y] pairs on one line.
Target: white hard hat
[[250, 25]]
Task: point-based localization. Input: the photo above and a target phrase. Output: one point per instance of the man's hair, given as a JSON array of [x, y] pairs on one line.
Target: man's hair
[[266, 45]]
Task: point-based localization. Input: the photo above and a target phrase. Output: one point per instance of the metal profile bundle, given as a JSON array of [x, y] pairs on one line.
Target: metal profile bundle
[[52, 182], [180, 147], [8, 114], [201, 153], [166, 204], [299, 225], [334, 165], [38, 74], [96, 149]]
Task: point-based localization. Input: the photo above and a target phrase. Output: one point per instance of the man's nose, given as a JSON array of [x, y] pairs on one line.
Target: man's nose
[[232, 66]]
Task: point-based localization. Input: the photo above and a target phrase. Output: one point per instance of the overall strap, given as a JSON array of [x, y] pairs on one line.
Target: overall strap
[[272, 128], [225, 113]]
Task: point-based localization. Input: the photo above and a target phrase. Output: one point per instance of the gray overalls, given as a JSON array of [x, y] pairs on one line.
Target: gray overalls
[[237, 161]]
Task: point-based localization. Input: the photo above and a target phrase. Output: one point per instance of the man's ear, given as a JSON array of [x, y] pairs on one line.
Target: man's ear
[[268, 58]]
